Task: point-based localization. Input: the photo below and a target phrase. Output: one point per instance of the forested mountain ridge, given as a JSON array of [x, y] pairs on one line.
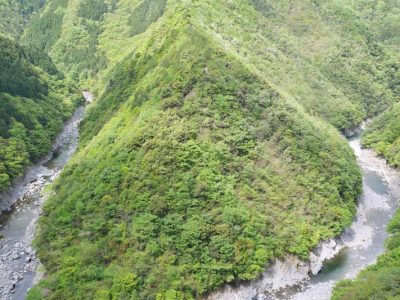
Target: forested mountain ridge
[[332, 57], [208, 151], [35, 99], [213, 146], [187, 186]]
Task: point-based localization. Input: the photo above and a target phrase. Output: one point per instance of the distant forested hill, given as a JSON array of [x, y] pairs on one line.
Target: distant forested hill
[[35, 99], [383, 133], [332, 57], [14, 15]]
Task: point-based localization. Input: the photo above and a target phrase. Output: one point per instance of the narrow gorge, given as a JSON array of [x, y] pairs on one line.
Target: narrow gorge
[[20, 209], [209, 159]]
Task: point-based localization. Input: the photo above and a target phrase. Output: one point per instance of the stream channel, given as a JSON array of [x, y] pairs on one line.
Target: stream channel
[[20, 208]]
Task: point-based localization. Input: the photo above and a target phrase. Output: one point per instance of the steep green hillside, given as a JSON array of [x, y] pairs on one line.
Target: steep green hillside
[[330, 56], [72, 32], [323, 54], [193, 171], [383, 135], [14, 15], [34, 102], [210, 149]]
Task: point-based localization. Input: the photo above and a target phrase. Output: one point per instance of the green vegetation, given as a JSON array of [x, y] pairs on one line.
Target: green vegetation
[[187, 186], [92, 10], [14, 15], [323, 54], [213, 146], [383, 135], [69, 31], [144, 14], [380, 281], [332, 57], [48, 30], [34, 101]]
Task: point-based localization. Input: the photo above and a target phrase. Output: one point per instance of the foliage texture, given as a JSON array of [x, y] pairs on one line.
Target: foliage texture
[[213, 146]]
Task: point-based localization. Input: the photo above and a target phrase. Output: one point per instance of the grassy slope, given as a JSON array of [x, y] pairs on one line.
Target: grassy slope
[[205, 155], [34, 101]]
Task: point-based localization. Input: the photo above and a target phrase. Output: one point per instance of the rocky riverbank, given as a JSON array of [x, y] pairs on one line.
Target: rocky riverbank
[[338, 259], [280, 274], [20, 209], [13, 271]]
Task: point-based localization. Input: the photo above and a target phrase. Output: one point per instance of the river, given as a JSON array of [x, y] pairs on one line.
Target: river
[[20, 208]]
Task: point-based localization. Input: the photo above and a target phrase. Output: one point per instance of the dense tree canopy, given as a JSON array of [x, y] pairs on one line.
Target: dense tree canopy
[[187, 186], [383, 135], [214, 145], [14, 15], [34, 102]]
